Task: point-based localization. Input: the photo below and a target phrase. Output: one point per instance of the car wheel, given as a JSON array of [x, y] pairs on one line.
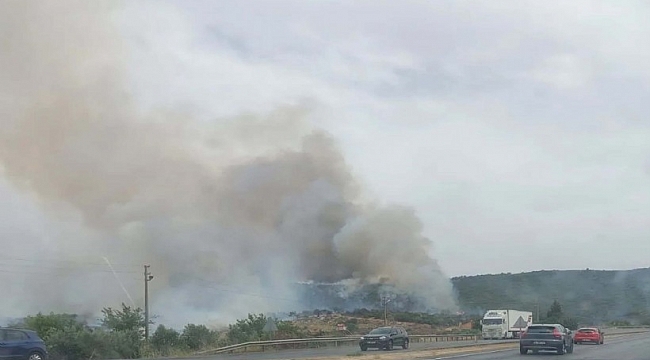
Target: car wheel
[[35, 356], [364, 348], [390, 345], [523, 350], [405, 345], [570, 349], [562, 349]]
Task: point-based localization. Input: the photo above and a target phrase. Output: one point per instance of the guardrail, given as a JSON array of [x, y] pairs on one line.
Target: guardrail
[[260, 346], [257, 346], [628, 327], [439, 338]]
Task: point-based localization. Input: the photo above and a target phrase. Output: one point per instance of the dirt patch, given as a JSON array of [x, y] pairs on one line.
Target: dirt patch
[[327, 325]]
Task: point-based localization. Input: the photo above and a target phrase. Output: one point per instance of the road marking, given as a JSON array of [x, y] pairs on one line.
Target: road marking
[[470, 354], [495, 351]]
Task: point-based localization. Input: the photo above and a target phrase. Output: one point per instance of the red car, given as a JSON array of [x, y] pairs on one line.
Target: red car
[[592, 335]]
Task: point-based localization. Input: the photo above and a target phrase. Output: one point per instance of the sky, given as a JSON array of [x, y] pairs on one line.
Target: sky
[[517, 131]]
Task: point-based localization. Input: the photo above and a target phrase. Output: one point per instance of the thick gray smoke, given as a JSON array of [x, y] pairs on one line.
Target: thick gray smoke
[[228, 215]]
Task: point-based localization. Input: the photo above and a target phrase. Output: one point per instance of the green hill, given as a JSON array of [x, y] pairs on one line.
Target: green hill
[[591, 296]]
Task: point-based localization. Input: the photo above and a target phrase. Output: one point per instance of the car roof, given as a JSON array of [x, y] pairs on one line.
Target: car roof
[[31, 333], [588, 328], [389, 327], [533, 325]]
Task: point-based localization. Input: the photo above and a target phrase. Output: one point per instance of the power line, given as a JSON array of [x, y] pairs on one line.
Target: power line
[[50, 270], [64, 272], [76, 262], [47, 270], [62, 268]]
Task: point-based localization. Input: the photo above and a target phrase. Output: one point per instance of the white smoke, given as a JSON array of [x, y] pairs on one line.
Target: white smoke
[[228, 215]]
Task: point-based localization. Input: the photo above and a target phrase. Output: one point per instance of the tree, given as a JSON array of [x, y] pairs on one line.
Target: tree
[[352, 325], [476, 323], [69, 338], [197, 337], [249, 329], [570, 323], [288, 330], [70, 344], [127, 328], [66, 336], [44, 325], [554, 314], [164, 339], [127, 319]]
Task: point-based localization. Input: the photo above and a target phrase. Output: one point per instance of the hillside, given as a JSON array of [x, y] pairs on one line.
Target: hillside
[[591, 296], [326, 323]]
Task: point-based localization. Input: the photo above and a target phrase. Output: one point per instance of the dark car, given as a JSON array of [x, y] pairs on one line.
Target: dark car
[[554, 337], [18, 344], [385, 338], [592, 335]]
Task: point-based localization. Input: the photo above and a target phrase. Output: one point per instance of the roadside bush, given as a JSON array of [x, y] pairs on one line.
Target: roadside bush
[[249, 329], [163, 340], [70, 344], [287, 330], [352, 325], [76, 344], [45, 324], [620, 323], [197, 337]]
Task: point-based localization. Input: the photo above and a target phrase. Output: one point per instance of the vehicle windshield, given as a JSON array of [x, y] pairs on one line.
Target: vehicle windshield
[[492, 321], [380, 331]]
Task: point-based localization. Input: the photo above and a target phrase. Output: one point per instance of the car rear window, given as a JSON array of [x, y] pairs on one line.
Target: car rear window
[[540, 329], [586, 331]]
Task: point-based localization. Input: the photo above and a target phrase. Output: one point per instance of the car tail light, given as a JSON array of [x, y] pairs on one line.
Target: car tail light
[[557, 334]]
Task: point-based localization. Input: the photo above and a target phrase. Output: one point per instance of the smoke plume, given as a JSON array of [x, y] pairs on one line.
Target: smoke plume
[[229, 215]]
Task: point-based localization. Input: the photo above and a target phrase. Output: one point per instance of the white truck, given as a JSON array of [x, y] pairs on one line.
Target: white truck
[[505, 324]]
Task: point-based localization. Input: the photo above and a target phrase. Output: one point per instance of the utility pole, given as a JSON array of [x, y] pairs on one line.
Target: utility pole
[[385, 300], [147, 278]]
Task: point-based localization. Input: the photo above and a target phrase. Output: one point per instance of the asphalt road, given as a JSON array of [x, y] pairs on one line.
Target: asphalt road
[[341, 351], [613, 338], [628, 347]]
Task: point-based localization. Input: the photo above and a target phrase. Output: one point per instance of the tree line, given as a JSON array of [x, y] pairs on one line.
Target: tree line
[[120, 335], [591, 296]]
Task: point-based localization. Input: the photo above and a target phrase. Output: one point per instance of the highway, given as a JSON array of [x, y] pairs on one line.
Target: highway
[[341, 351], [618, 346], [628, 347]]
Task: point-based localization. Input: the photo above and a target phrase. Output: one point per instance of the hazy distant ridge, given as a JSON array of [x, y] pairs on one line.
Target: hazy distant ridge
[[589, 295]]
